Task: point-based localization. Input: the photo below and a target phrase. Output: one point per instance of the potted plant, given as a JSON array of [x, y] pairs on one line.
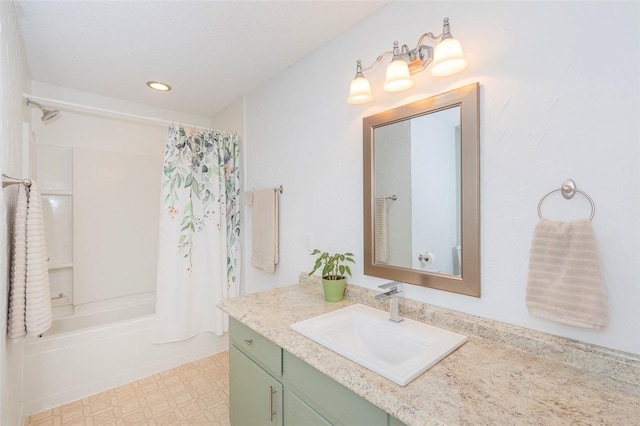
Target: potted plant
[[334, 271]]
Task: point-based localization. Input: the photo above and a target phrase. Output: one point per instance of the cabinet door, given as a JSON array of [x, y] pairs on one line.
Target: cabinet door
[[255, 396], [297, 413], [333, 401]]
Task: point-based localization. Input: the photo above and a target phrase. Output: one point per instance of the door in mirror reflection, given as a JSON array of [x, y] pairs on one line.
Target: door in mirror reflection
[[417, 191]]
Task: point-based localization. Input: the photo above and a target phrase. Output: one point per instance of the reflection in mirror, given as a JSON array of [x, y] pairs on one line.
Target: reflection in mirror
[[418, 162], [421, 169]]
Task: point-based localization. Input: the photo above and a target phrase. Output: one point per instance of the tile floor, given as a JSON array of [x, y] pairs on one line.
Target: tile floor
[[192, 394]]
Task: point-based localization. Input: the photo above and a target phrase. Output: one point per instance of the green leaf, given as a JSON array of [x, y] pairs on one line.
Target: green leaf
[[195, 188]]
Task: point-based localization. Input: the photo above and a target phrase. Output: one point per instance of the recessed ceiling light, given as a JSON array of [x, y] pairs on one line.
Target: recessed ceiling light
[[156, 85]]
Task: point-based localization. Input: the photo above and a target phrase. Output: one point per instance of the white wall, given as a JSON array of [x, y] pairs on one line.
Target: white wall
[[433, 184], [559, 99], [14, 79]]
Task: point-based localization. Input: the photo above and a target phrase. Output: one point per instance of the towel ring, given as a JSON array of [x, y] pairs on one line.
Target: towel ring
[[568, 190]]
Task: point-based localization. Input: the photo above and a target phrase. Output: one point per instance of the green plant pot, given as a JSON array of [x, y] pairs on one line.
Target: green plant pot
[[334, 289]]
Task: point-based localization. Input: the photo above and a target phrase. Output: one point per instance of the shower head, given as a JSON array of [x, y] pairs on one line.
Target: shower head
[[47, 114]]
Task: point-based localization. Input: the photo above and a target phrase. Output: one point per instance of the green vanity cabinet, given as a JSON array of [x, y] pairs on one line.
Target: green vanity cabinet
[[255, 365], [256, 397], [330, 399], [298, 413], [269, 386]]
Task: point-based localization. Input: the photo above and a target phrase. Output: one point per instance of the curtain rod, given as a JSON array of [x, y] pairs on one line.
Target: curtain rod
[[112, 112]]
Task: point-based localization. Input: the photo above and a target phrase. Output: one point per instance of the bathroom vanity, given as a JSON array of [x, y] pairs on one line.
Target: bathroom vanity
[[502, 375], [271, 386]]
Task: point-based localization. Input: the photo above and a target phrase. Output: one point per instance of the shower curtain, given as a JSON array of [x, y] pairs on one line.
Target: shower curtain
[[199, 245]]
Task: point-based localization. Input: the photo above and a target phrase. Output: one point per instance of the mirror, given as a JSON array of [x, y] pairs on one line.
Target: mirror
[[421, 193]]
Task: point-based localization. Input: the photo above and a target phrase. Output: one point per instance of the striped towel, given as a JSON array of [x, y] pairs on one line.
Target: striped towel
[[381, 243], [17, 293], [565, 283], [38, 316]]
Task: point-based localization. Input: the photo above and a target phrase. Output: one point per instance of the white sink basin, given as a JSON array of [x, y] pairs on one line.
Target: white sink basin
[[398, 351]]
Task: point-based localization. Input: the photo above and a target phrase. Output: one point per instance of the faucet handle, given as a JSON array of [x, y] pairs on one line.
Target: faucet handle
[[392, 288], [390, 284]]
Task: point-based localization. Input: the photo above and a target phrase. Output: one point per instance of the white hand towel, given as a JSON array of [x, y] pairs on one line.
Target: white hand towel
[[17, 293], [264, 230], [38, 315], [565, 283], [381, 242]]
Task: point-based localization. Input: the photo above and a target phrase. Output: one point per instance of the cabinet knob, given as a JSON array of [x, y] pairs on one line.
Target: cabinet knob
[[248, 341]]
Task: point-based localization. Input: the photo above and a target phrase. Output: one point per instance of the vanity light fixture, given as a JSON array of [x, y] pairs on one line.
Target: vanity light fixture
[[159, 86], [446, 60]]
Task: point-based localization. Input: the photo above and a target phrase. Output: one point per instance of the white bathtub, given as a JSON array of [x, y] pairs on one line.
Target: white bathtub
[[88, 319], [89, 353]]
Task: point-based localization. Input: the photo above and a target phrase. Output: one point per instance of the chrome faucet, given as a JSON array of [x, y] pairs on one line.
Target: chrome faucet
[[392, 296]]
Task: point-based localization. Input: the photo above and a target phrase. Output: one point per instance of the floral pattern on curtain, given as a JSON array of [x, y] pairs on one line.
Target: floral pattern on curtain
[[192, 159], [199, 239]]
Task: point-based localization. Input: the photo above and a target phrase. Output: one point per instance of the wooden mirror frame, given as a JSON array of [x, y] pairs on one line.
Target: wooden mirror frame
[[467, 98]]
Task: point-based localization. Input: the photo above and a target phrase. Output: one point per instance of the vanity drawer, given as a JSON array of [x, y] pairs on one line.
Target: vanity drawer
[[255, 346]]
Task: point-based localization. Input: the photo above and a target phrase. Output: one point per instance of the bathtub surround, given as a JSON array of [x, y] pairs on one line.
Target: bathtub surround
[[494, 378], [199, 242], [117, 287]]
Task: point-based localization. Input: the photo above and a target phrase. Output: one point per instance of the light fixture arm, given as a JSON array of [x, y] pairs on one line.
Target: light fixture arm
[[429, 36], [445, 34], [376, 62]]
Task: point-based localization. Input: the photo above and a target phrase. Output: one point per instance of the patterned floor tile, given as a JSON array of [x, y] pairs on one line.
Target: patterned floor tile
[[192, 394]]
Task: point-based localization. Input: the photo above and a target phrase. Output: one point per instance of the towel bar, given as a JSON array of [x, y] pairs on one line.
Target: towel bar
[[568, 190], [8, 180]]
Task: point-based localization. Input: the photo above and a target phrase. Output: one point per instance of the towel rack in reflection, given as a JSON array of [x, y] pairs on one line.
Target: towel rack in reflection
[[8, 180], [568, 190], [392, 197]]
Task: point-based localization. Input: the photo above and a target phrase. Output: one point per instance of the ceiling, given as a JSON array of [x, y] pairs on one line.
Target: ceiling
[[210, 52]]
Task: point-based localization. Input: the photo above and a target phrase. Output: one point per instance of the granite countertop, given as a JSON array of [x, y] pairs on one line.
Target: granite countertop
[[484, 382]]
